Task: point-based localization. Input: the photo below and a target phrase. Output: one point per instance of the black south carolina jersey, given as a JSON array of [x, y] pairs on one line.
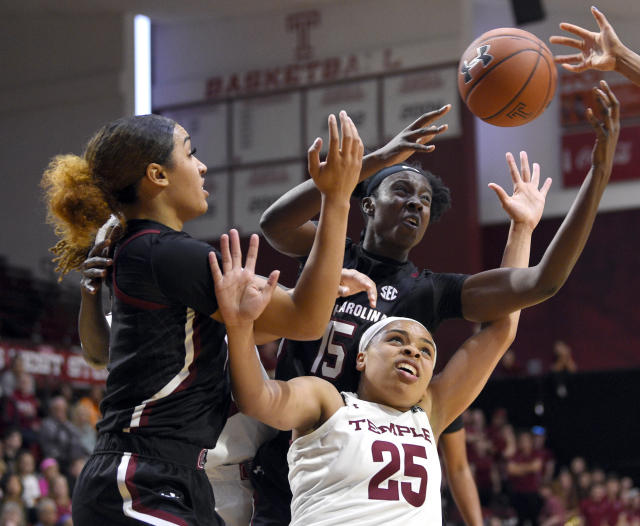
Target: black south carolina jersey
[[168, 373], [403, 290]]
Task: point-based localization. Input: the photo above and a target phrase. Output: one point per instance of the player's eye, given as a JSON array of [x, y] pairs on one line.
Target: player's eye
[[192, 152], [426, 350]]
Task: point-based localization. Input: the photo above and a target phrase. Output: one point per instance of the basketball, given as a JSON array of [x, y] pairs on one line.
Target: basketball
[[507, 77]]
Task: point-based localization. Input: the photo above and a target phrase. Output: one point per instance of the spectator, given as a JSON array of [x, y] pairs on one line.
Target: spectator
[[553, 511], [584, 485], [595, 508], [548, 460], [565, 489], [47, 512], [485, 472], [524, 471], [92, 402], [81, 418], [22, 407], [12, 491], [12, 514], [74, 471], [12, 445], [30, 484], [616, 507], [59, 438], [9, 378], [509, 367], [60, 494], [563, 359], [49, 469]]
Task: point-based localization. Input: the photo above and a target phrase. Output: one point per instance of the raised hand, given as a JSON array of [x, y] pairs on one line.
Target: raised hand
[[352, 282], [607, 128], [241, 296], [412, 139], [338, 175], [94, 268], [526, 204], [596, 50]]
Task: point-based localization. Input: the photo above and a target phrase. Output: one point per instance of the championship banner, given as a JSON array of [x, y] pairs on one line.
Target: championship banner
[[207, 127], [215, 222], [576, 156], [255, 189], [409, 95], [45, 361], [358, 99], [267, 128]]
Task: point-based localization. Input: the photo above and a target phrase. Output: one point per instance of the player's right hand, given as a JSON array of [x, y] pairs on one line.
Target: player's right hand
[[337, 176], [413, 138]]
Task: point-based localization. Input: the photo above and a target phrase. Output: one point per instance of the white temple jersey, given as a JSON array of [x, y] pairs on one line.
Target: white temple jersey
[[368, 464]]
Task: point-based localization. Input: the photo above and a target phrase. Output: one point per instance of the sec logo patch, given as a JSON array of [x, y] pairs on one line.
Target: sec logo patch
[[388, 293]]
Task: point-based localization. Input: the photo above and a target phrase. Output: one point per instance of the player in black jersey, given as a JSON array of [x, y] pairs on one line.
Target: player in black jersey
[[168, 389], [398, 202]]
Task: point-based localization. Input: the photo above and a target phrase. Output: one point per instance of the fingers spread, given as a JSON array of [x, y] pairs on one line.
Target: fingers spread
[[313, 156], [545, 187], [576, 30], [215, 268], [427, 118], [502, 195], [334, 136], [513, 169], [225, 253], [252, 253], [236, 252], [524, 167]]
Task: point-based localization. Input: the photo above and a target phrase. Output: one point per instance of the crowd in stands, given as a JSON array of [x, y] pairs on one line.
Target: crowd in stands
[[46, 438], [519, 481], [48, 433]]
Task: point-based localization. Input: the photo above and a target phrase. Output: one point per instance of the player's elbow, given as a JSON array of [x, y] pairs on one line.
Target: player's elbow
[[269, 226]]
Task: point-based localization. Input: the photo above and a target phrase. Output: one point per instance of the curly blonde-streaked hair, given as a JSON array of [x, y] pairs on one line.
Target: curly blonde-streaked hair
[[82, 192], [77, 208]]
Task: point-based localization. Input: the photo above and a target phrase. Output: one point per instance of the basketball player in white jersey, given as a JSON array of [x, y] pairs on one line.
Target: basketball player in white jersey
[[370, 457]]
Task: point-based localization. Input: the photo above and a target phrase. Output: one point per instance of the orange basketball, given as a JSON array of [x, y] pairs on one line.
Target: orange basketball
[[507, 77]]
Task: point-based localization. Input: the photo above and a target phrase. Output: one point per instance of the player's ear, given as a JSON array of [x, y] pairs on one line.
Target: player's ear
[[368, 206], [155, 174], [361, 360]]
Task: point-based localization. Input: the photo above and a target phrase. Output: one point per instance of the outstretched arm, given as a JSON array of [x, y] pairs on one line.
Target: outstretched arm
[[461, 483], [602, 51], [287, 223], [298, 404], [462, 379], [304, 313], [492, 294]]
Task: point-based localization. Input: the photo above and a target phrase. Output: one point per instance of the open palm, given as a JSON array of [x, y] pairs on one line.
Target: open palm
[[526, 204], [242, 296]]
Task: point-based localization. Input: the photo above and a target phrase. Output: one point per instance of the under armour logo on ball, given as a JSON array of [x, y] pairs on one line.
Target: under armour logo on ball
[[483, 57], [388, 293]]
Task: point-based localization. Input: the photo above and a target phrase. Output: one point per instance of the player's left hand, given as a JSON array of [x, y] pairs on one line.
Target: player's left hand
[[94, 268], [241, 296], [607, 127], [352, 282], [413, 138], [526, 204]]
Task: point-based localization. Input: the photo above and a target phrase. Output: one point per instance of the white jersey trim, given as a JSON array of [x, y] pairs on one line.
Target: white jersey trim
[[176, 380], [127, 501]]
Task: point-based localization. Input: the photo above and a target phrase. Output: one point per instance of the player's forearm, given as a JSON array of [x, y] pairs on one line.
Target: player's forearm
[[465, 494], [249, 385], [286, 221], [93, 330], [315, 292], [628, 63]]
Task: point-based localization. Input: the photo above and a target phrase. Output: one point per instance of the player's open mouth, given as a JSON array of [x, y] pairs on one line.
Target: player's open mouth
[[411, 221], [407, 368]]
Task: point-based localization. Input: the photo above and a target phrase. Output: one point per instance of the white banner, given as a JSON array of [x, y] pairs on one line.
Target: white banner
[[256, 189], [409, 95], [358, 99], [266, 128], [207, 126]]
